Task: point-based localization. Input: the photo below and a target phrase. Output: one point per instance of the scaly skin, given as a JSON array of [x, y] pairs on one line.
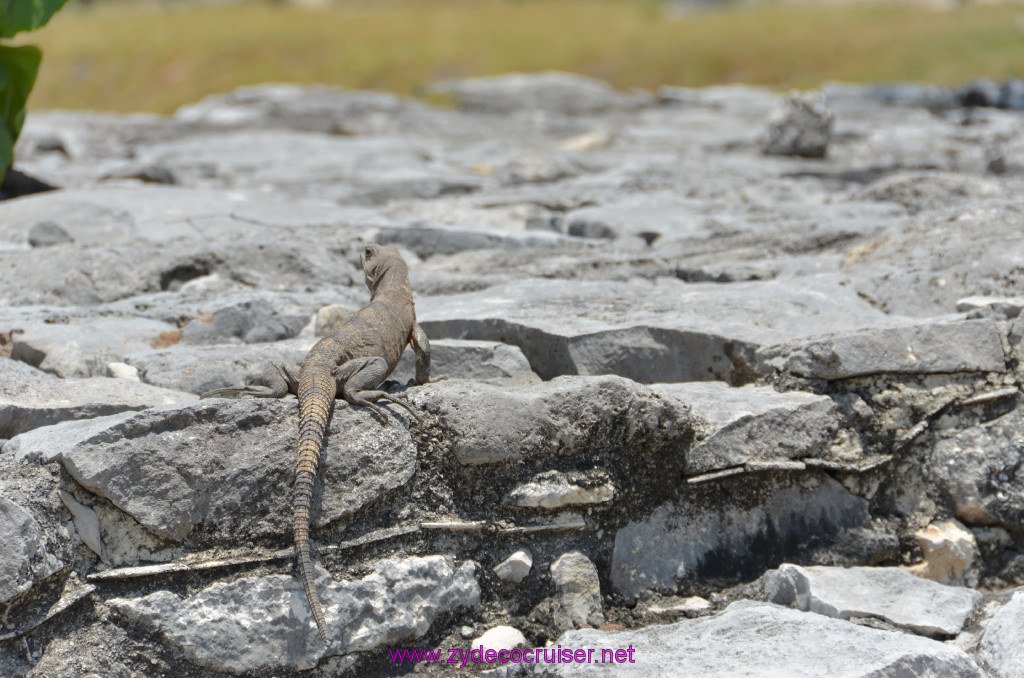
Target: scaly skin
[[350, 364]]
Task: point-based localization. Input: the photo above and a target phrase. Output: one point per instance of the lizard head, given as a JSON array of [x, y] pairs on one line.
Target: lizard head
[[381, 262]]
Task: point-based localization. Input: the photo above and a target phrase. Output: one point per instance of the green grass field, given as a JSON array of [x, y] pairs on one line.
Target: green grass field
[[122, 57]]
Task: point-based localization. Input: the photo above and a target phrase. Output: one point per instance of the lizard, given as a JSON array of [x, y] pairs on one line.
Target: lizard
[[351, 364]]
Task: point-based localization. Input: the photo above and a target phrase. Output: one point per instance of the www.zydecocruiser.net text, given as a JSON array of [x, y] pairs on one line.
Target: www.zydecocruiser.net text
[[541, 655]]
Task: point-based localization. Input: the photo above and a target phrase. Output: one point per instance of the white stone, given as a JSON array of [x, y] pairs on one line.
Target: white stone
[[500, 638], [515, 568], [949, 551]]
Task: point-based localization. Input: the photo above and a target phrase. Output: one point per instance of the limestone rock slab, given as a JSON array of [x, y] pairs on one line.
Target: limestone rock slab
[[209, 464], [39, 399], [928, 347], [761, 640], [201, 369], [264, 624], [568, 415], [888, 593], [1002, 646], [753, 423], [660, 331]]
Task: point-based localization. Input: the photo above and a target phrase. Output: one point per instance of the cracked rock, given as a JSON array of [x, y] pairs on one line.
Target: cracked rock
[[886, 593], [264, 623]]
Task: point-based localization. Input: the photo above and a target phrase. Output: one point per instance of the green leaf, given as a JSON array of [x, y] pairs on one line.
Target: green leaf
[[18, 67], [25, 15]]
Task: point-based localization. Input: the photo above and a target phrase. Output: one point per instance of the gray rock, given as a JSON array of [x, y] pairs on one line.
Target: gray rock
[[177, 468], [516, 567], [24, 554], [82, 347], [569, 415], [663, 331], [925, 266], [979, 470], [48, 233], [803, 128], [251, 322], [29, 403], [329, 319], [1002, 646], [486, 361], [754, 423], [918, 191], [552, 91], [264, 624], [886, 593], [726, 532], [760, 640], [201, 369], [427, 241], [577, 592], [935, 346]]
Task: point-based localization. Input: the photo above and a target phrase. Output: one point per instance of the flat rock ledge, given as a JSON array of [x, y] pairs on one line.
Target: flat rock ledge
[[759, 639], [886, 593]]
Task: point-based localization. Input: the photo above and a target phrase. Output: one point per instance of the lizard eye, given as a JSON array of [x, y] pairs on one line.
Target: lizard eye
[[367, 252]]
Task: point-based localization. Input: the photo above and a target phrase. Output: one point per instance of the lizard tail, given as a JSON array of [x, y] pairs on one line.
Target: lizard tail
[[314, 409]]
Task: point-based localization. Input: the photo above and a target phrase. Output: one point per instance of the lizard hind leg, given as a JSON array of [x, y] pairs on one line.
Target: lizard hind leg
[[278, 381], [358, 380]]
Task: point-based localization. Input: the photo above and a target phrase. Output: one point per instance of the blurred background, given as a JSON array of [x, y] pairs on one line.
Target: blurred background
[[149, 55]]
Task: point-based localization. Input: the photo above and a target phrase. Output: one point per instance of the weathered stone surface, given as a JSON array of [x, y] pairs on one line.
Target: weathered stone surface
[[264, 623], [24, 554], [82, 348], [577, 592], [713, 537], [979, 470], [1002, 646], [923, 268], [759, 639], [552, 91], [28, 402], [201, 369], [918, 191], [251, 322], [568, 415], [209, 464], [427, 241], [515, 568], [663, 331], [931, 347], [486, 361], [887, 593], [753, 424]]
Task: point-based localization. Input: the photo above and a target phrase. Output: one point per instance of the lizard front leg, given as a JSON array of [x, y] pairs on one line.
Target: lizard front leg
[[278, 381], [421, 347], [358, 380]]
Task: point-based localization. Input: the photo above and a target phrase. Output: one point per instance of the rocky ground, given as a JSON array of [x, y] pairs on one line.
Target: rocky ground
[[710, 396]]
